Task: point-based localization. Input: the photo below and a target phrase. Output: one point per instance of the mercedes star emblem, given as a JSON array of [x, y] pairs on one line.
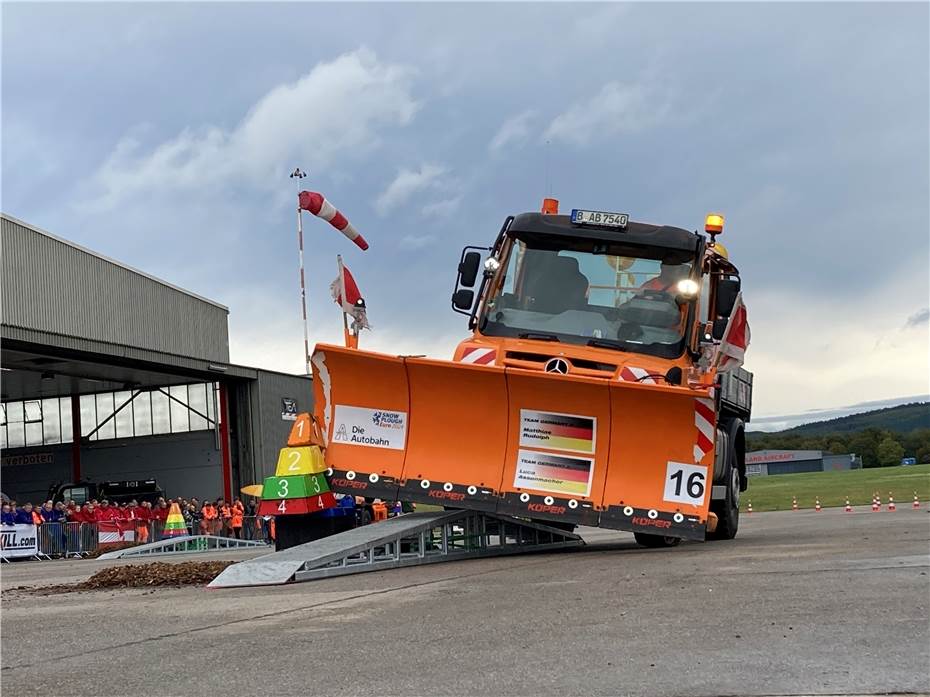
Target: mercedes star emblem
[[557, 365]]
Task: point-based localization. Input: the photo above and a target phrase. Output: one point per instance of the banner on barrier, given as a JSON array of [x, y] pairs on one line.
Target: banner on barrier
[[115, 531], [18, 541]]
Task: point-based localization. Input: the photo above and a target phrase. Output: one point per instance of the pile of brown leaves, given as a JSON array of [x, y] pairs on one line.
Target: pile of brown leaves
[[159, 573]]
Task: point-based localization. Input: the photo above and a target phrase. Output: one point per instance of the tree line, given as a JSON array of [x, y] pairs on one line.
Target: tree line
[[877, 447]]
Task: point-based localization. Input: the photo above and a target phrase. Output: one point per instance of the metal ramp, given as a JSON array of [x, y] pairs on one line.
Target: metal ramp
[[408, 540], [189, 544]]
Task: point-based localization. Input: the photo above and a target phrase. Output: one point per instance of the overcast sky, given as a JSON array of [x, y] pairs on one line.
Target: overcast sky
[[162, 135]]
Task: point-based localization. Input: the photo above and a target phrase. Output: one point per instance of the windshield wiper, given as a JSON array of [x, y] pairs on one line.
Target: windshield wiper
[[607, 343], [541, 336]]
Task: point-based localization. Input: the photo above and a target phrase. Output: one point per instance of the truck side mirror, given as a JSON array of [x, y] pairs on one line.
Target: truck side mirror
[[727, 290], [468, 269], [463, 298]]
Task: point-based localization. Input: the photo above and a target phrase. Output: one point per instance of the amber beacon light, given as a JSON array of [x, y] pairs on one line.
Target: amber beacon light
[[713, 223]]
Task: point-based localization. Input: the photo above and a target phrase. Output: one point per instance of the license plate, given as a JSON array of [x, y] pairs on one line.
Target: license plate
[[580, 217]]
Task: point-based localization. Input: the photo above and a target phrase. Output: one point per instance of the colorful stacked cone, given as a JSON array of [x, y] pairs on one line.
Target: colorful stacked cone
[[848, 508], [916, 504], [299, 485], [749, 508], [891, 506], [876, 504], [174, 523], [817, 505], [794, 503]]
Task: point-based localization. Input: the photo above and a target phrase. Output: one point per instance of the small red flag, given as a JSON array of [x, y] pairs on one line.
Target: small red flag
[[347, 295], [735, 341]]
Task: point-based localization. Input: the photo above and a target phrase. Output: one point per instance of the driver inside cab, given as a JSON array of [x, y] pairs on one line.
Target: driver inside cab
[[669, 276]]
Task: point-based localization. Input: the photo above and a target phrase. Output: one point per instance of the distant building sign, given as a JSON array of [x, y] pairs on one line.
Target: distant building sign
[[30, 459], [766, 456], [288, 409]]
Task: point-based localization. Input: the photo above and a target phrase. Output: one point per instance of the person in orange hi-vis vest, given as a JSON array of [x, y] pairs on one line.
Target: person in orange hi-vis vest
[[235, 521], [209, 518], [225, 511]]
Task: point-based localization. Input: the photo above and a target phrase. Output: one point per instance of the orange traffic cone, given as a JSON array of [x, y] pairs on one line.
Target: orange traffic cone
[[876, 504], [794, 503], [848, 508], [749, 509], [891, 506], [916, 504], [817, 505]]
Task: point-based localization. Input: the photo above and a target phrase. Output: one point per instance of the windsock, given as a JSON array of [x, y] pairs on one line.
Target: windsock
[[321, 208]]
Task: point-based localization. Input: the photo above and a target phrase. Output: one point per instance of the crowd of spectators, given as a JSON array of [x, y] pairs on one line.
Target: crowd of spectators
[[208, 517]]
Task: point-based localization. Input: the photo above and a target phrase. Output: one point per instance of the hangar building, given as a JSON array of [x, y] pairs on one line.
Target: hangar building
[[766, 462], [109, 373]]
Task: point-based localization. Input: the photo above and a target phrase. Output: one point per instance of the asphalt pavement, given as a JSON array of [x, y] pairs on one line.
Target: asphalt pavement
[[800, 603]]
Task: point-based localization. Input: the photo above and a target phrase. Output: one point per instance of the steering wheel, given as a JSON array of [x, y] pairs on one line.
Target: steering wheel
[[629, 332]]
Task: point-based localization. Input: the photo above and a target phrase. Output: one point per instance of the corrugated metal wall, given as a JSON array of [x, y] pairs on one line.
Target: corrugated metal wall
[[271, 431], [52, 286]]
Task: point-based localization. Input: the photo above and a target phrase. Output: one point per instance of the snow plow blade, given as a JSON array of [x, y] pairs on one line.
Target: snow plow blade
[[581, 450]]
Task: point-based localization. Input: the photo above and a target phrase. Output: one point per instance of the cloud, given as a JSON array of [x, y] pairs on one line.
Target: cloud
[[615, 109], [514, 130], [406, 184], [334, 111], [413, 242], [918, 319], [441, 209]]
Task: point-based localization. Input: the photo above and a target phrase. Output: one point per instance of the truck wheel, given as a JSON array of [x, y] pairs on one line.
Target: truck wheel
[[727, 510], [647, 540]]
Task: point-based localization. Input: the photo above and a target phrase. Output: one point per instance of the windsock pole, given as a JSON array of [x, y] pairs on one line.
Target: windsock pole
[[298, 175]]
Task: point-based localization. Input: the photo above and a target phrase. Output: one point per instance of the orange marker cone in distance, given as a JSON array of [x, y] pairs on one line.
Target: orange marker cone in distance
[[916, 504], [794, 503], [848, 508], [817, 505], [749, 509], [891, 506], [876, 506]]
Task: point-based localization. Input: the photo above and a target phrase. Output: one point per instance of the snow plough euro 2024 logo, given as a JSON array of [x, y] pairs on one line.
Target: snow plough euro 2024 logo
[[388, 419]]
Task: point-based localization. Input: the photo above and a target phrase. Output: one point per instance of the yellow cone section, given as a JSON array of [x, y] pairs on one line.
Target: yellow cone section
[[303, 460]]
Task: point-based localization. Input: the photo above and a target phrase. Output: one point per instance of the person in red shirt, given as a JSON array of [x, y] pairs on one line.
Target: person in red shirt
[[105, 512]]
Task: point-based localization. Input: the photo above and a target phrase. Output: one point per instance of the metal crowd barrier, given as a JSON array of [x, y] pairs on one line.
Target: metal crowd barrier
[[62, 540]]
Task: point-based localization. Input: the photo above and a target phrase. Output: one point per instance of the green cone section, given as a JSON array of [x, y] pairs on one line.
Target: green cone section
[[294, 487]]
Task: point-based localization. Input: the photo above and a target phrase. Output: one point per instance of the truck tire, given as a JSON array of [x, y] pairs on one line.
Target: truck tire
[[727, 510], [647, 540]]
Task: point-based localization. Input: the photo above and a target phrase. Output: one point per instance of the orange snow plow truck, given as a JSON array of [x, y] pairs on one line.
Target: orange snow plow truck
[[587, 393]]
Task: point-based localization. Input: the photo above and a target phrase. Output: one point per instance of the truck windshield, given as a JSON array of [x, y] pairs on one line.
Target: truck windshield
[[625, 297]]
